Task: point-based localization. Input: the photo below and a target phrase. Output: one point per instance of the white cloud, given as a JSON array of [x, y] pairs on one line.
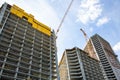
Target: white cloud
[[89, 10], [117, 47], [102, 21], [52, 0], [91, 29]]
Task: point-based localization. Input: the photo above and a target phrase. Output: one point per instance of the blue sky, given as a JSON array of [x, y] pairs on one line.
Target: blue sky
[[94, 16]]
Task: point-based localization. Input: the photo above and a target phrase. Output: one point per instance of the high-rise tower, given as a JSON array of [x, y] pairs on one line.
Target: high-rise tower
[[102, 51], [78, 65], [27, 47]]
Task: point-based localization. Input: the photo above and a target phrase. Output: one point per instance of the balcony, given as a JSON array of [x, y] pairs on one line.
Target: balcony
[[30, 33], [18, 45], [54, 75], [71, 54], [3, 48], [4, 43], [7, 31], [12, 61], [30, 37], [26, 55], [73, 64], [38, 55], [20, 29], [77, 77], [10, 23], [9, 27], [37, 44], [46, 41], [27, 45], [74, 67], [37, 64], [8, 73], [23, 22], [27, 50], [7, 36], [17, 40], [45, 68], [20, 33], [46, 37], [45, 73], [108, 71], [15, 52], [44, 77], [72, 57], [25, 65], [15, 48], [75, 73], [37, 49], [36, 59], [46, 56], [38, 37], [2, 53], [35, 75], [45, 52], [45, 60], [21, 26], [21, 75], [71, 51], [23, 59], [30, 41], [75, 70], [36, 52], [23, 70], [18, 36], [10, 67], [12, 17], [4, 77], [45, 47], [72, 61]]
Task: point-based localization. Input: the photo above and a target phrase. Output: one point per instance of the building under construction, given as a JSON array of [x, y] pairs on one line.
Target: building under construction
[[27, 47], [101, 50], [78, 65]]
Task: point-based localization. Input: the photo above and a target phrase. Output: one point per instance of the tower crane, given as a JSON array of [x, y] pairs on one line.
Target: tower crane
[[85, 35], [87, 39], [64, 16], [89, 45]]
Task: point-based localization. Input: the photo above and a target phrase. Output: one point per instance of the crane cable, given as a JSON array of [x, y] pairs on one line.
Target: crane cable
[[66, 12]]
